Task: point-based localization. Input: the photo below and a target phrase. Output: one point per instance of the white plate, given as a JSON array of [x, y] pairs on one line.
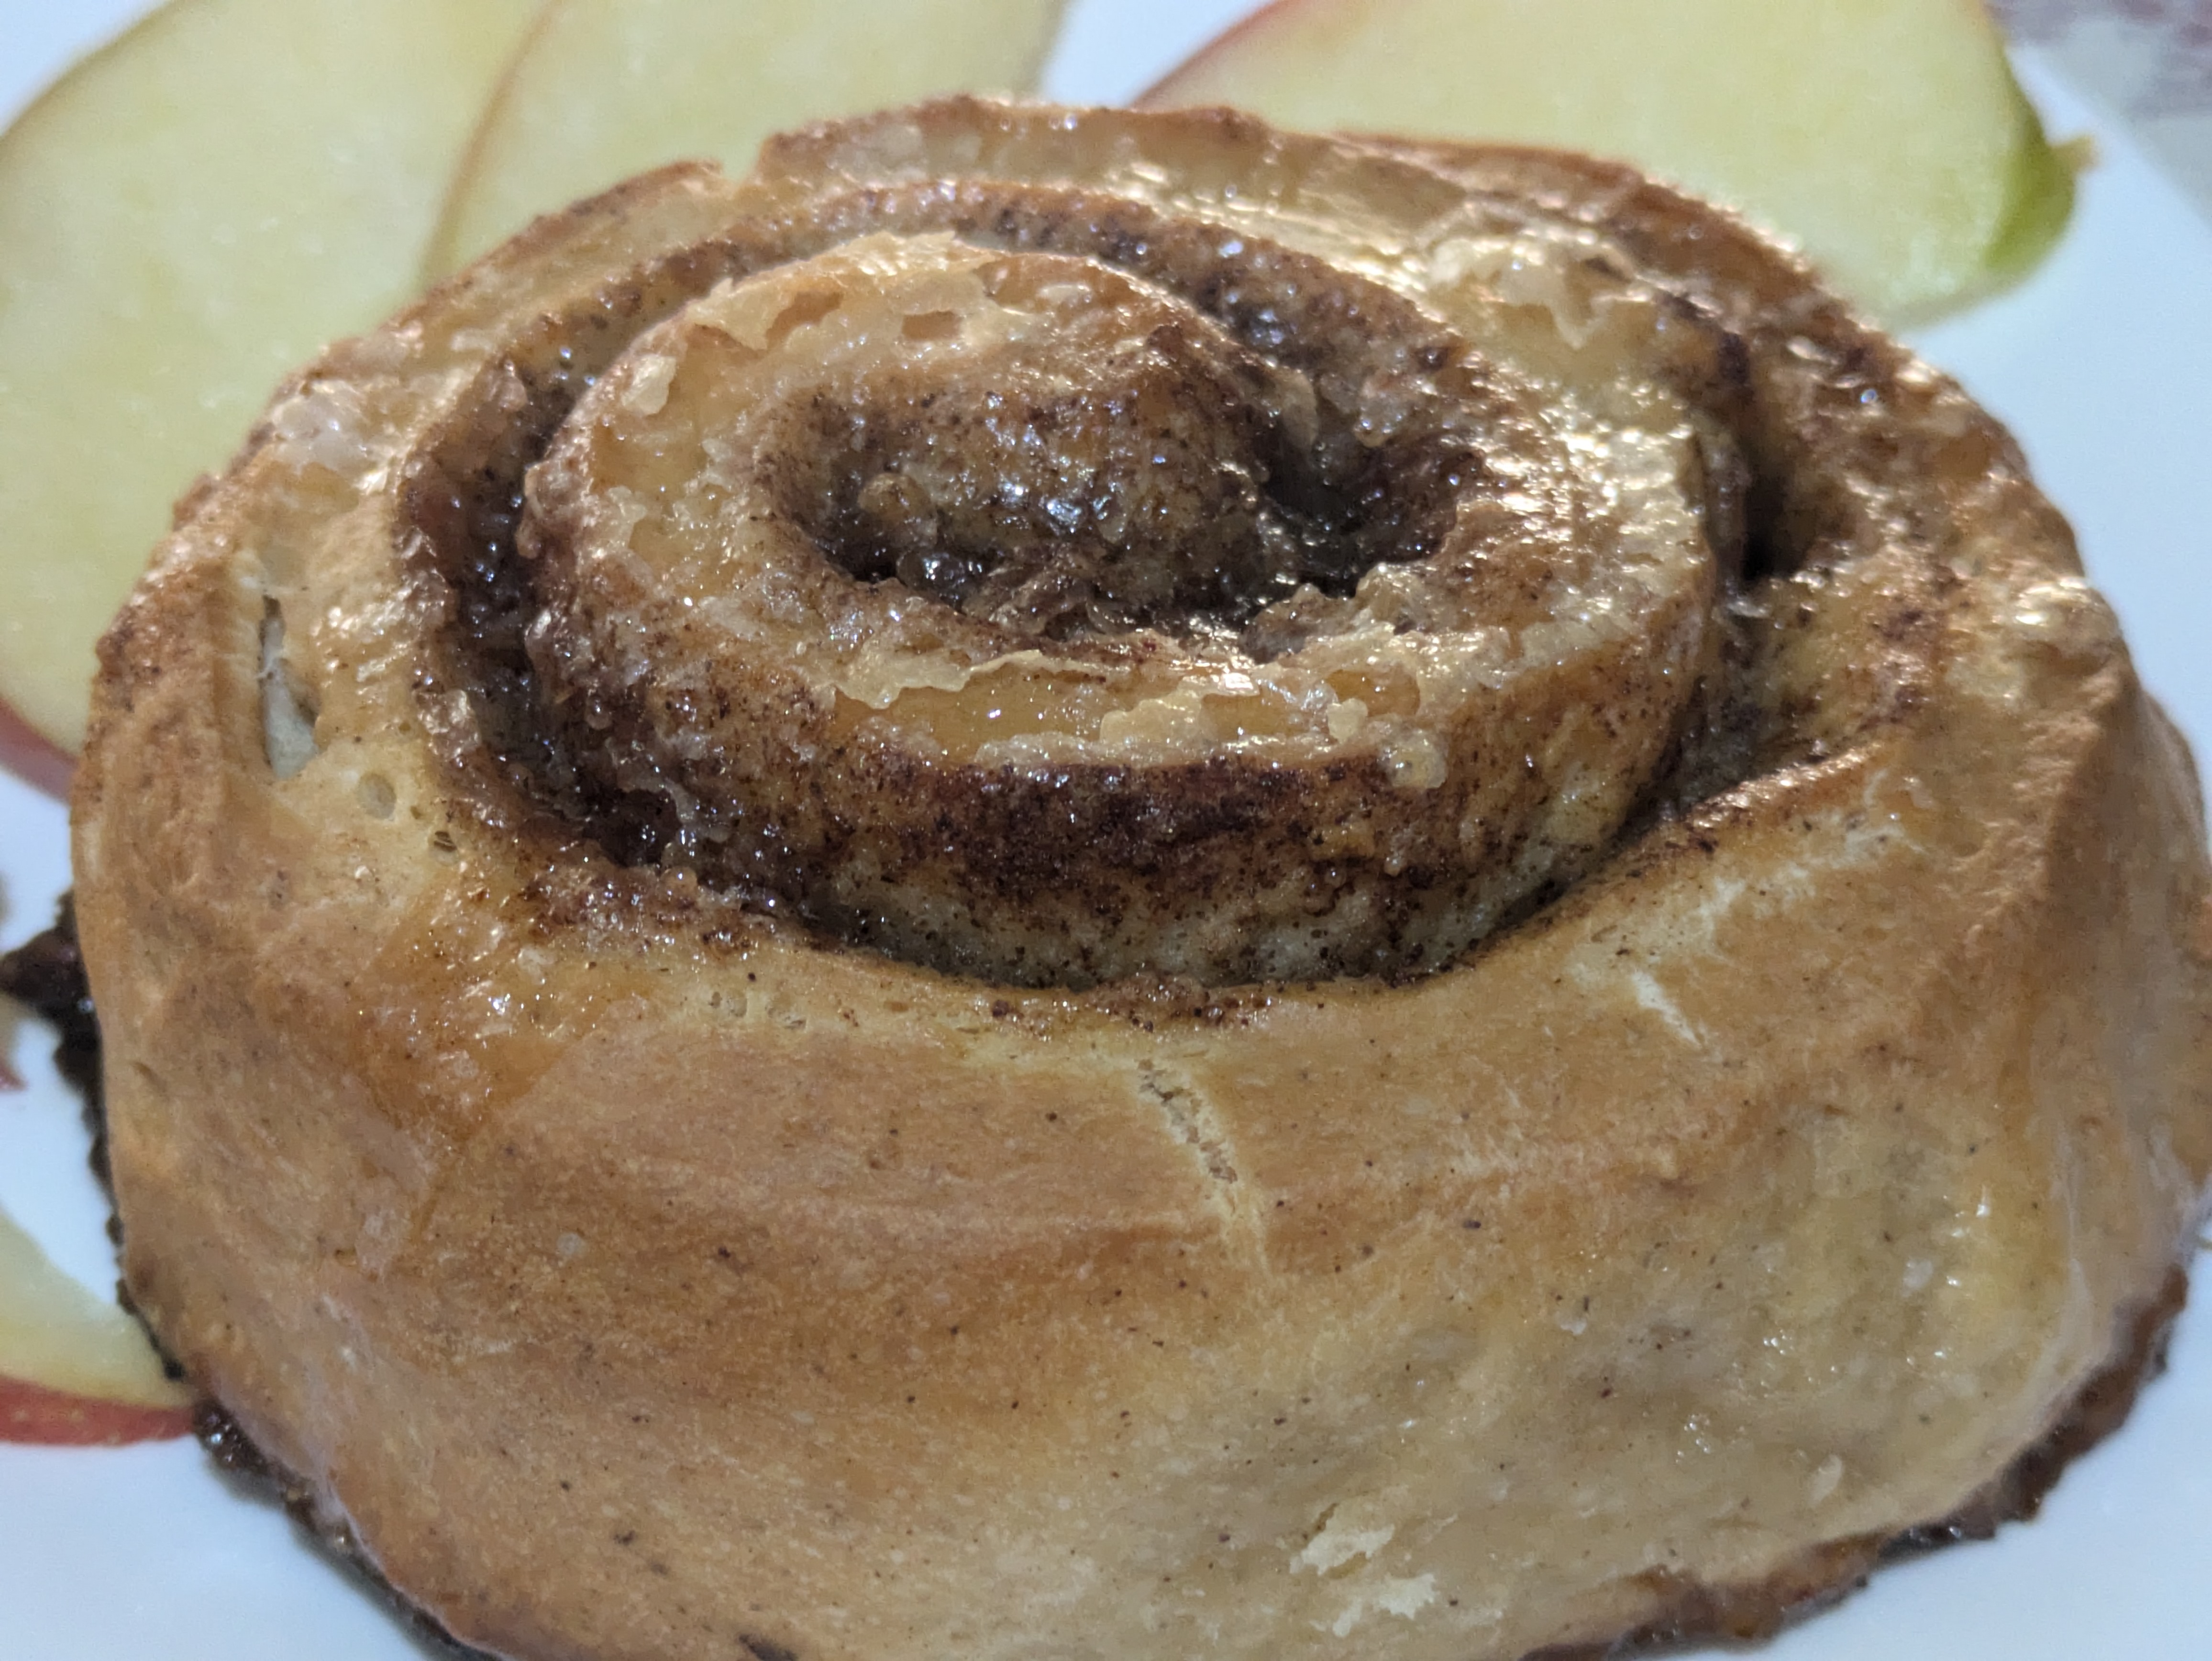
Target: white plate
[[2104, 365]]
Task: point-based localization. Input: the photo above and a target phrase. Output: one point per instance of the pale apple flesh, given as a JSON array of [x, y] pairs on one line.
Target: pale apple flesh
[[179, 228], [606, 89], [1889, 138], [72, 1367]]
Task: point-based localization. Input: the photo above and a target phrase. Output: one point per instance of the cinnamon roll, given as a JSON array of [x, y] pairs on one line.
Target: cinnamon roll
[[1066, 883]]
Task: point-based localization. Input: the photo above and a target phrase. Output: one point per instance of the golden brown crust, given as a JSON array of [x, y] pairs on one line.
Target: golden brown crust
[[1688, 1613], [640, 1273]]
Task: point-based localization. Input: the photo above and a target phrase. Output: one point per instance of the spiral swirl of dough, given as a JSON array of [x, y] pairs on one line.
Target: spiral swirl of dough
[[1052, 584]]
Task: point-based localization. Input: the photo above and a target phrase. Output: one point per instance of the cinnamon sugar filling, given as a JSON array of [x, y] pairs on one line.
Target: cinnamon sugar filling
[[1057, 594]]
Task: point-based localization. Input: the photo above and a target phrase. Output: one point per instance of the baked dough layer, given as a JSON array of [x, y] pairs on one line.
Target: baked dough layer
[[635, 1271]]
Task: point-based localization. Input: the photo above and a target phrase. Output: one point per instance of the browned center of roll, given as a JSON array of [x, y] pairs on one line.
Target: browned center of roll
[[1059, 451], [1053, 617]]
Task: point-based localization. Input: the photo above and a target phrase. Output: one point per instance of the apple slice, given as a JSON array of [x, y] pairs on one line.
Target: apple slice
[[1886, 138], [30, 756], [186, 216], [609, 88], [29, 1413], [73, 1368]]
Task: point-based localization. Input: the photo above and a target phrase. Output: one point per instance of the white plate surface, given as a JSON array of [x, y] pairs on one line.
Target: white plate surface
[[2102, 364]]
